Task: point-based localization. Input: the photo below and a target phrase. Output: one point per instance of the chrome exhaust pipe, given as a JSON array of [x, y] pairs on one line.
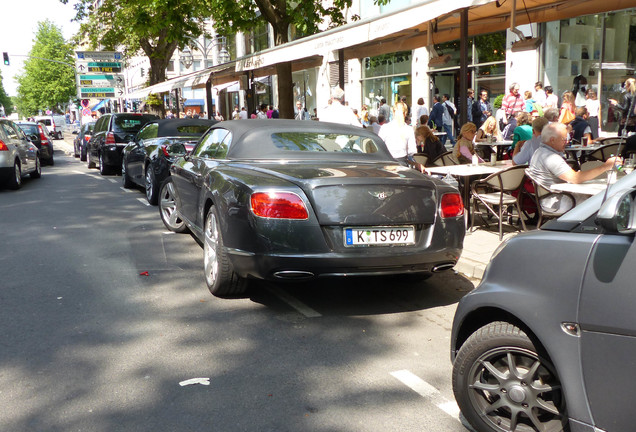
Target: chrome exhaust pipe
[[441, 267], [294, 275]]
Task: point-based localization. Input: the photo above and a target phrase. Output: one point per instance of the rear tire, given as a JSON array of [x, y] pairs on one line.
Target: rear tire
[[103, 168], [219, 275], [82, 154], [38, 169], [15, 181], [126, 181], [90, 163], [151, 186], [168, 208]]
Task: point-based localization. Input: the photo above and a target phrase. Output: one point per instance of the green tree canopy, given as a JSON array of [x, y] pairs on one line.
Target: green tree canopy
[[305, 16], [5, 100], [46, 84], [154, 27]]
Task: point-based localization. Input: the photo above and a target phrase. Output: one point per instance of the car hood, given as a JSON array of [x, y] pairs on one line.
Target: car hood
[[362, 194]]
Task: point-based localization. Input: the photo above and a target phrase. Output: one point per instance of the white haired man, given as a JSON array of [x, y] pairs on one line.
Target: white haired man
[[337, 112]]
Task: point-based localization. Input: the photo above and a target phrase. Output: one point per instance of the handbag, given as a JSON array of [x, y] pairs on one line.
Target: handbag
[[566, 116]]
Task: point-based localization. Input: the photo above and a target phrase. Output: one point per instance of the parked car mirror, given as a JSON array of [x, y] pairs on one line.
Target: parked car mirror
[[617, 214], [32, 137], [75, 132]]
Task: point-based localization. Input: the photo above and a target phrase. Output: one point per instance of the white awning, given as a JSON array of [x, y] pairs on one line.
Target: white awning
[[355, 33]]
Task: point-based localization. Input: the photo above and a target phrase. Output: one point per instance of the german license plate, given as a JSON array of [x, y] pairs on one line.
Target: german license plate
[[379, 236]]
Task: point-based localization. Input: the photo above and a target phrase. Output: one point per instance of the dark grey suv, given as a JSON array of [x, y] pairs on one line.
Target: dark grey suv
[[547, 341], [111, 134]]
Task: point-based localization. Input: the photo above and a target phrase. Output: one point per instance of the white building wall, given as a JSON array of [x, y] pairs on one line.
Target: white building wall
[[522, 67]]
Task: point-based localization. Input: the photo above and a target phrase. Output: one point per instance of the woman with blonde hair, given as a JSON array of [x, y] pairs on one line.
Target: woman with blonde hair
[[464, 147], [428, 143], [487, 131], [398, 136], [627, 108], [567, 108]]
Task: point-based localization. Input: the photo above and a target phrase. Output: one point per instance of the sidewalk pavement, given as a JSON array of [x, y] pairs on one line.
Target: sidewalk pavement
[[479, 245]]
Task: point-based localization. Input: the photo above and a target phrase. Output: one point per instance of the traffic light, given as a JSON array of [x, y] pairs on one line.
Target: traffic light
[[5, 57]]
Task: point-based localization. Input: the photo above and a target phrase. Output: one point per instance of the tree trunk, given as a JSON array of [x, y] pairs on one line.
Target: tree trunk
[[285, 90]]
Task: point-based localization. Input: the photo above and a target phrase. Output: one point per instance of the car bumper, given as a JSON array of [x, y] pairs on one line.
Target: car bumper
[[300, 267], [112, 155], [46, 152]]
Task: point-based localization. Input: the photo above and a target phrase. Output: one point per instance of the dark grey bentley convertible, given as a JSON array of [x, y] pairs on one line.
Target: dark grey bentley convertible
[[295, 200]]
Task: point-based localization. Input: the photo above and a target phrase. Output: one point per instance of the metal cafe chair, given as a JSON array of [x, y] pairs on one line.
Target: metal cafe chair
[[495, 193], [604, 152], [541, 194], [420, 158], [445, 159]]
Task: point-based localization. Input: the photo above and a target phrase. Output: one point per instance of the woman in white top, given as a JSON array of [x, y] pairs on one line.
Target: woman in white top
[[593, 106], [398, 136], [420, 110]]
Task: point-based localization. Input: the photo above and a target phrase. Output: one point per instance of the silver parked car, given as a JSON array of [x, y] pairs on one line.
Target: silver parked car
[[547, 341], [18, 156]]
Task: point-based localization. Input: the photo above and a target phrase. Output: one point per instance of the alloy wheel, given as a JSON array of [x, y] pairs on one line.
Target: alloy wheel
[[512, 389], [210, 245], [168, 209]]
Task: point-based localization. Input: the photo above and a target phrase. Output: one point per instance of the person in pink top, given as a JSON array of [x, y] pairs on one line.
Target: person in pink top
[[512, 103]]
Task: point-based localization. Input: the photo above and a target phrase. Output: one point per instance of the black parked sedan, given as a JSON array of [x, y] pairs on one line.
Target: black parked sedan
[[81, 140], [146, 160], [111, 134], [289, 201], [38, 134]]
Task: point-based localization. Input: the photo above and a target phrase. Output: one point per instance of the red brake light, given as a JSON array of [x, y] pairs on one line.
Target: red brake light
[[3, 146], [452, 205], [164, 149], [87, 138], [43, 139], [278, 205], [110, 138]]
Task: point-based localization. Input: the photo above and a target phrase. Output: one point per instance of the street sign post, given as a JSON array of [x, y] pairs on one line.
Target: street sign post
[[98, 74]]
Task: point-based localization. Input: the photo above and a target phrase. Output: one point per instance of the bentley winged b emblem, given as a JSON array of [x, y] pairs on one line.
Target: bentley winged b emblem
[[381, 195]]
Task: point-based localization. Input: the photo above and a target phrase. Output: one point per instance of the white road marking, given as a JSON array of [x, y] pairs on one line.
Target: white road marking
[[113, 180], [144, 201], [294, 302], [126, 190], [427, 391]]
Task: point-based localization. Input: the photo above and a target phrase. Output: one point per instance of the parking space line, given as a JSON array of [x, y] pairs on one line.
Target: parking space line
[[126, 190], [427, 391], [144, 201], [294, 302], [113, 180]]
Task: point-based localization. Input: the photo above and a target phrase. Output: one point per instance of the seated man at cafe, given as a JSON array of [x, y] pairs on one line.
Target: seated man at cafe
[[549, 167], [580, 127], [523, 151]]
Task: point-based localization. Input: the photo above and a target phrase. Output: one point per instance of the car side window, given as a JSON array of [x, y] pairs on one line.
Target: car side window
[[99, 126], [211, 143], [149, 131], [10, 131]]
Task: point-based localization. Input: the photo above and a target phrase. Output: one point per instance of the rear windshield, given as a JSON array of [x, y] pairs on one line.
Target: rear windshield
[[321, 142], [193, 129], [29, 129], [131, 123], [45, 121]]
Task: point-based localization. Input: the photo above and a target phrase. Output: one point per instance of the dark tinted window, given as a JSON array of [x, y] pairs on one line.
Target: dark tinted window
[[321, 142], [193, 129], [148, 131], [29, 129], [131, 123], [211, 143]]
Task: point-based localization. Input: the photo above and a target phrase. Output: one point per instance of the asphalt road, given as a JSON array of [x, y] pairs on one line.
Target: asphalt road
[[89, 343]]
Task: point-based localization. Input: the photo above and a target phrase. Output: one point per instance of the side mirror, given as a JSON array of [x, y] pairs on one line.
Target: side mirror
[[75, 132], [618, 214]]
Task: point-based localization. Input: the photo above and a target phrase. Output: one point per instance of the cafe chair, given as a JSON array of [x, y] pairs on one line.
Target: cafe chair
[[445, 159], [421, 158], [603, 153], [543, 195], [495, 193]]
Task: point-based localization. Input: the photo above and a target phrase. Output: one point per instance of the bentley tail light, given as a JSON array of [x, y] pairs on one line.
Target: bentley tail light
[[110, 138], [278, 205], [3, 146], [452, 205]]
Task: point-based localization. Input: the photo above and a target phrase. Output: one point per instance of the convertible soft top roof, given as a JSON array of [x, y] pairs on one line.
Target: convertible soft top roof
[[252, 139], [169, 127]]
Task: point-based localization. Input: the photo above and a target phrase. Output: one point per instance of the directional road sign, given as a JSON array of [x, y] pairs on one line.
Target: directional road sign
[[100, 92], [99, 56], [97, 67], [115, 80]]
